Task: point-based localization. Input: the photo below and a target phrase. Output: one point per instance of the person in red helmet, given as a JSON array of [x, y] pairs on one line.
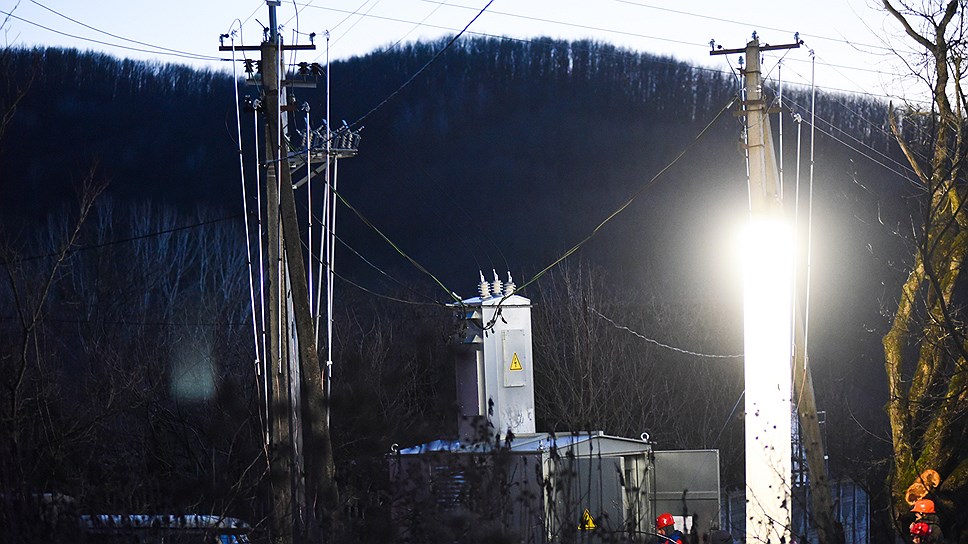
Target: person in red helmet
[[666, 527], [926, 528]]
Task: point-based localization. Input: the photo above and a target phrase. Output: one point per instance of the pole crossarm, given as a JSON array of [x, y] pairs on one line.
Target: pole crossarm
[[765, 47], [259, 47]]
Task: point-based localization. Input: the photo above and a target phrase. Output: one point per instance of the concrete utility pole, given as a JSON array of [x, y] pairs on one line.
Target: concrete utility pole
[[284, 471], [768, 391], [304, 493]]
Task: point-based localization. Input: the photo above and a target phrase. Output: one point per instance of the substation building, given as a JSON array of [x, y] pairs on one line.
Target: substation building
[[502, 475]]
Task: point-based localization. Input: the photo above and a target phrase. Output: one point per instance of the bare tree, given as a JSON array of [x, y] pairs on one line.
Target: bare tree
[[14, 89], [926, 348], [134, 340], [632, 364], [35, 437]]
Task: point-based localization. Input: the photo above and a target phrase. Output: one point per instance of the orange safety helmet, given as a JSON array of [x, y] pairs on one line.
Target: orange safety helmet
[[665, 520], [924, 506]]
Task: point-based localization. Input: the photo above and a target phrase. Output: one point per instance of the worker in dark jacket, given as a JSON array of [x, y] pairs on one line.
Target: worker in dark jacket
[[926, 528], [665, 525]]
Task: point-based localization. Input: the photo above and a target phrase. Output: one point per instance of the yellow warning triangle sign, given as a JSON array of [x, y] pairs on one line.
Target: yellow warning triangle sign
[[587, 523], [516, 363]]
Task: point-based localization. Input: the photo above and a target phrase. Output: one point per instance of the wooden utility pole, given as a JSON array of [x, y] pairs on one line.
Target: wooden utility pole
[[304, 493], [766, 197]]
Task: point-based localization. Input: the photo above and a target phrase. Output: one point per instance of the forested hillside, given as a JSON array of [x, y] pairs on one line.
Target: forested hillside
[[500, 155]]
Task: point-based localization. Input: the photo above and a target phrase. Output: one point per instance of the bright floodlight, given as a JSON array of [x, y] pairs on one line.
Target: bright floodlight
[[768, 329]]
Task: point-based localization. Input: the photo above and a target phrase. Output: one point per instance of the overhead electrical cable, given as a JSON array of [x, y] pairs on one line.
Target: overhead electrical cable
[[158, 50], [576, 47], [746, 24], [424, 67], [295, 15], [873, 125], [262, 247], [670, 40], [222, 324], [261, 365], [397, 248], [796, 228], [85, 25], [349, 14], [864, 149], [587, 27], [378, 269], [627, 203], [867, 94], [195, 56], [337, 25], [859, 88], [728, 419], [383, 296], [671, 62], [567, 253], [414, 27], [804, 83], [837, 67], [317, 260], [809, 263], [864, 119], [75, 249], [801, 109], [256, 10], [646, 36], [466, 215], [662, 344], [357, 21]]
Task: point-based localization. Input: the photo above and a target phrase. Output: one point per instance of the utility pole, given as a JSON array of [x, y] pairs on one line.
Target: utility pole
[[304, 493], [768, 436]]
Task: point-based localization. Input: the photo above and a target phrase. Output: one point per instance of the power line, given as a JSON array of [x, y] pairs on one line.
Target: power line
[[85, 25], [618, 210], [576, 246], [137, 323], [670, 40], [745, 24], [251, 15], [728, 418], [386, 297], [356, 22], [396, 247], [868, 94], [424, 67], [414, 27], [124, 240], [664, 345], [876, 127], [669, 10], [581, 26], [192, 56], [350, 14], [538, 42], [317, 261], [632, 198], [901, 169]]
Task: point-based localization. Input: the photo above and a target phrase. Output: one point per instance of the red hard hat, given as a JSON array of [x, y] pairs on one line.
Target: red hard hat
[[664, 520], [924, 506]]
